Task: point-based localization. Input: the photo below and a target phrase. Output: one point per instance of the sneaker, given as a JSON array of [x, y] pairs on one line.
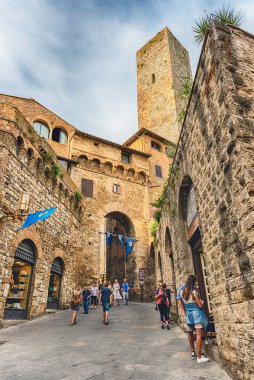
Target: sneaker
[[106, 323], [202, 360], [193, 355], [162, 326], [168, 327]]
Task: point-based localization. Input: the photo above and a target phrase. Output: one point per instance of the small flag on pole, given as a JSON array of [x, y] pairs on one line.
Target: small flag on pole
[[129, 245], [109, 236], [36, 217], [121, 238]]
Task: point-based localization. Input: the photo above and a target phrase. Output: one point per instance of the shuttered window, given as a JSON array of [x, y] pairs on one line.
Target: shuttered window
[[87, 187], [158, 171]]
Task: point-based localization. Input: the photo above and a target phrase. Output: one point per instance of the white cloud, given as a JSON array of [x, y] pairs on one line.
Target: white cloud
[[78, 57]]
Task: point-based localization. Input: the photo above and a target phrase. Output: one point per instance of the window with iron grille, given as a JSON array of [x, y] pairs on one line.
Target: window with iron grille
[[87, 187], [116, 188], [158, 171]]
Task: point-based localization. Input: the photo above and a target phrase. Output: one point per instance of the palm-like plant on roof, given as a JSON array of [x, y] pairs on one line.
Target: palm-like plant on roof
[[226, 15]]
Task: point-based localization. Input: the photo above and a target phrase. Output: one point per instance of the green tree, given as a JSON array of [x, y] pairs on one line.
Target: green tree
[[226, 15]]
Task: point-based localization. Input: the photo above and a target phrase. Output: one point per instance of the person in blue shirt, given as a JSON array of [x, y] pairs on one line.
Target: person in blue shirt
[[125, 290], [105, 300], [86, 294]]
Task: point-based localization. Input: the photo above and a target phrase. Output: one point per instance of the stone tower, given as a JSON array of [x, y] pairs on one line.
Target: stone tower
[[163, 67]]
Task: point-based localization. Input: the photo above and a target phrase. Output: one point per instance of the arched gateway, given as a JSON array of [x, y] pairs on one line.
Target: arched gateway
[[114, 261]]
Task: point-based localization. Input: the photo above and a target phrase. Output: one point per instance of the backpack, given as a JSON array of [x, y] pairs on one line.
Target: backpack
[[164, 298], [76, 299]]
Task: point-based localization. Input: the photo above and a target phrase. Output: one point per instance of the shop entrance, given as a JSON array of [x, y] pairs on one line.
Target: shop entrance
[[17, 300], [55, 284]]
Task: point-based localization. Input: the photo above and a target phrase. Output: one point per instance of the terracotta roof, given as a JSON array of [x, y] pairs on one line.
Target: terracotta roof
[[123, 148], [144, 131]]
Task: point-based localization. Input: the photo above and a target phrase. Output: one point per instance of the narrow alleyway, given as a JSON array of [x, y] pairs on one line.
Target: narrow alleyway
[[132, 347]]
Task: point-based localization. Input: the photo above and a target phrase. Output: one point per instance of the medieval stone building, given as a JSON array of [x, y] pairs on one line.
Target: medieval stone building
[[41, 264], [206, 224], [207, 219]]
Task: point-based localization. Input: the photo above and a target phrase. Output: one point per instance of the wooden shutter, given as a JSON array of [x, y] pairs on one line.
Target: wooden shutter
[[87, 187], [158, 171]]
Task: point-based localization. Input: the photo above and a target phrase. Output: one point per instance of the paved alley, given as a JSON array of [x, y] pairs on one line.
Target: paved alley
[[132, 347]]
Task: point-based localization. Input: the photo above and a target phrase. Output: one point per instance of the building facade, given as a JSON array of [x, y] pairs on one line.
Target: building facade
[[207, 220], [53, 162], [38, 264]]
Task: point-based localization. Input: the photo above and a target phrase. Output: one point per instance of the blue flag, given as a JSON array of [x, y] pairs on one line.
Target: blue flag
[[36, 217], [129, 245], [109, 236], [121, 238]]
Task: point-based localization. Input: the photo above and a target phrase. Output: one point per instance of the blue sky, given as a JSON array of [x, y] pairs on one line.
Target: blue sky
[[77, 57]]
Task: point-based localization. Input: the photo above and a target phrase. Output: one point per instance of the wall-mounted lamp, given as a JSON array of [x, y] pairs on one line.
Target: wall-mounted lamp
[[24, 200]]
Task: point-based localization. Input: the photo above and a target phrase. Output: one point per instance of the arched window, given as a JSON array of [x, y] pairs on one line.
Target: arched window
[[41, 128], [60, 136]]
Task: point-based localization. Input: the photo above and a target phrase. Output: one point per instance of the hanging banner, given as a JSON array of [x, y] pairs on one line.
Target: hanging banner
[[121, 238], [129, 245], [36, 217], [109, 236]]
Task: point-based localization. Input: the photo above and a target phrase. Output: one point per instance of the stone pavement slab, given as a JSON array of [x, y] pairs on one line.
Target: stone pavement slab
[[132, 347]]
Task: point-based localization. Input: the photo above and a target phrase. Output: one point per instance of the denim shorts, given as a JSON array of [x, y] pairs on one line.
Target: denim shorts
[[106, 306]]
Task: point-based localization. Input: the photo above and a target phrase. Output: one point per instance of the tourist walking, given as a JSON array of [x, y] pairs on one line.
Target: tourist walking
[[86, 294], [189, 330], [99, 294], [76, 299], [111, 296], [195, 316], [116, 293], [105, 300], [156, 292], [169, 291], [162, 302], [94, 296], [125, 291]]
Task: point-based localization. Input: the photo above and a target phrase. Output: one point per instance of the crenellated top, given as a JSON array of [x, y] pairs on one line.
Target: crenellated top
[[34, 152], [110, 167]]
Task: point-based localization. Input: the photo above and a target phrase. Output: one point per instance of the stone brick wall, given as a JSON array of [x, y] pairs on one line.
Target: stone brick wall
[[162, 65], [23, 169], [215, 156]]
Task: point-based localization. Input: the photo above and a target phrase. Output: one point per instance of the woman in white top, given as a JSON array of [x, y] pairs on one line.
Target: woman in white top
[[116, 293], [94, 296]]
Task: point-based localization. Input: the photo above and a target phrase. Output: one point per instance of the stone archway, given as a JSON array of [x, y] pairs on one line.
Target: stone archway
[[191, 236], [117, 263]]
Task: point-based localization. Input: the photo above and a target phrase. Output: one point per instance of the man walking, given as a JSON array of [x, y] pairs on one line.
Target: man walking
[[86, 294], [105, 300], [125, 290]]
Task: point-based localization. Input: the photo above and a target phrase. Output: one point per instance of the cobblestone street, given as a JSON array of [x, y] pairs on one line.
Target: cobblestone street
[[132, 347]]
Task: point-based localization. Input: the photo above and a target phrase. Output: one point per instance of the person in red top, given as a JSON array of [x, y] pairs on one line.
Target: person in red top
[[163, 303]]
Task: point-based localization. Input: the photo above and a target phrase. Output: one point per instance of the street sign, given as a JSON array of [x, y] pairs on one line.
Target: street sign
[[141, 275]]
